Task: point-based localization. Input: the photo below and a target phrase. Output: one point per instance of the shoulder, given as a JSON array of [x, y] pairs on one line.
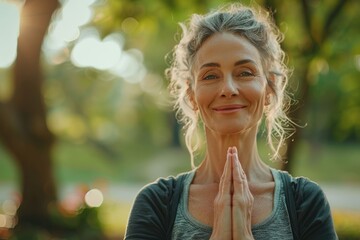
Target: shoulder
[[149, 215], [304, 188], [307, 192], [312, 209], [162, 188], [156, 196]]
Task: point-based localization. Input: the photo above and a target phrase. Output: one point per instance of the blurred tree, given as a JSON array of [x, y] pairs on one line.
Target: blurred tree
[[318, 23], [23, 129]]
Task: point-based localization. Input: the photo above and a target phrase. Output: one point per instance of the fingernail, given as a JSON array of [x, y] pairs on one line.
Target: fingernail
[[234, 149]]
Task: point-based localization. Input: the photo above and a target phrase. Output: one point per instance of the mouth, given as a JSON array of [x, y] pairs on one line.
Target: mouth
[[229, 108]]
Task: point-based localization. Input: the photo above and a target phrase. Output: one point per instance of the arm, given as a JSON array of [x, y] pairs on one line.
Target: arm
[[313, 211]]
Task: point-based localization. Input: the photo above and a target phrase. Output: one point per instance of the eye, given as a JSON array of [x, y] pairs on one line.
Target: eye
[[210, 77], [245, 74]]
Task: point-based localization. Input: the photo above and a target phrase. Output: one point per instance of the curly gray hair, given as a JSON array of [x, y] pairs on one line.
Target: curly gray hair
[[256, 26]]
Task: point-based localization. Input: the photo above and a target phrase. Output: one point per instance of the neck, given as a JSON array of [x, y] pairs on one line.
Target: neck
[[211, 169]]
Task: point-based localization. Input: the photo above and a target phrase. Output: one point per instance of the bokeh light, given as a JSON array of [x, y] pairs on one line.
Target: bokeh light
[[93, 52], [10, 207], [94, 198], [357, 62], [130, 67], [69, 40], [9, 25], [65, 28], [7, 221], [2, 220]]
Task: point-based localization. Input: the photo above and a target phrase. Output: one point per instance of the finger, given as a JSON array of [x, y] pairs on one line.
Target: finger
[[237, 170], [238, 174], [242, 201], [222, 204], [241, 186], [226, 178]]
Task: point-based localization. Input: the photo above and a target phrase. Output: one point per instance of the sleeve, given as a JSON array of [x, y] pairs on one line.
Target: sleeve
[[149, 213], [314, 214]]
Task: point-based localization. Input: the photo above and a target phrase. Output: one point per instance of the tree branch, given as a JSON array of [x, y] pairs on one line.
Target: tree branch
[[307, 21], [27, 98], [328, 29]]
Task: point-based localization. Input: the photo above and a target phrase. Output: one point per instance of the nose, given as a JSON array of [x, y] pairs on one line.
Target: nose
[[229, 87]]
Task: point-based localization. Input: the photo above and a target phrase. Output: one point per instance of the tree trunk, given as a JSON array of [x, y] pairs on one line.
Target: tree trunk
[[314, 47], [23, 128]]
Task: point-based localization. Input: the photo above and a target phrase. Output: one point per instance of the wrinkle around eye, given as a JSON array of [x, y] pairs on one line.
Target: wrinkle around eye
[[210, 77], [209, 74], [247, 74]]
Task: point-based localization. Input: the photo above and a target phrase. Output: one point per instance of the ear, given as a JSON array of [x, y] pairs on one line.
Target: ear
[[270, 87], [190, 94]]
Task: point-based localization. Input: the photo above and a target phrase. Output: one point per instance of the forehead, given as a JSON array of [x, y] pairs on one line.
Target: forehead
[[226, 48]]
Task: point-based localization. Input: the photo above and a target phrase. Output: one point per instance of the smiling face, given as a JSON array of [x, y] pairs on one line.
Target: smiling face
[[230, 86]]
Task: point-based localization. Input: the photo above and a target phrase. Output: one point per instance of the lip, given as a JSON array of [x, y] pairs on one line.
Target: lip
[[229, 108]]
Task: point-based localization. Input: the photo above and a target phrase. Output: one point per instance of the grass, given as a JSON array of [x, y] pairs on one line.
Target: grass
[[329, 163]]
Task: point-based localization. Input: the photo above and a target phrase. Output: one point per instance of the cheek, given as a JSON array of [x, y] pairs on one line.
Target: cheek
[[203, 95], [255, 90]]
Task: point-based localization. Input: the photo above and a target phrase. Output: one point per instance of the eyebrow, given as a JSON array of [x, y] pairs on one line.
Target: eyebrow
[[245, 61], [240, 62], [210, 65]]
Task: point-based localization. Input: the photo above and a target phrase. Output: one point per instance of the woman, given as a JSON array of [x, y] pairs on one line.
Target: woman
[[227, 76]]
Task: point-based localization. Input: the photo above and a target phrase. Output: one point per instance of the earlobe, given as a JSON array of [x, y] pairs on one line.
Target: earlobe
[[192, 101], [271, 78]]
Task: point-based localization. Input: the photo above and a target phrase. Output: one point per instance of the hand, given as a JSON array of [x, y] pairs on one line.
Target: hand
[[242, 201], [233, 203], [222, 226]]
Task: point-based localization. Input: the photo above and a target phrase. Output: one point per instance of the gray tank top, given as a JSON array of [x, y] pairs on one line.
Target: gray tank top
[[275, 226]]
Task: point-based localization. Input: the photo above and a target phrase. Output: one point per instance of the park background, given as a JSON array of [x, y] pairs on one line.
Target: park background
[[85, 118]]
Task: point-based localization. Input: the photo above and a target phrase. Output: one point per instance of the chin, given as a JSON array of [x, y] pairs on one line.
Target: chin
[[230, 130], [233, 129]]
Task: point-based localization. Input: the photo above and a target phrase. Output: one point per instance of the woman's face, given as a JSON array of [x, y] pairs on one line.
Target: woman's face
[[230, 86]]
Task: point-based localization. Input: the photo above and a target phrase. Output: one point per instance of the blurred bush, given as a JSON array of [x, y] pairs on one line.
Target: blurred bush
[[85, 225], [347, 224]]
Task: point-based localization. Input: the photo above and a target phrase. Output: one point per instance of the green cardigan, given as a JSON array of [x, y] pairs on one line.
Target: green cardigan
[[154, 210]]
